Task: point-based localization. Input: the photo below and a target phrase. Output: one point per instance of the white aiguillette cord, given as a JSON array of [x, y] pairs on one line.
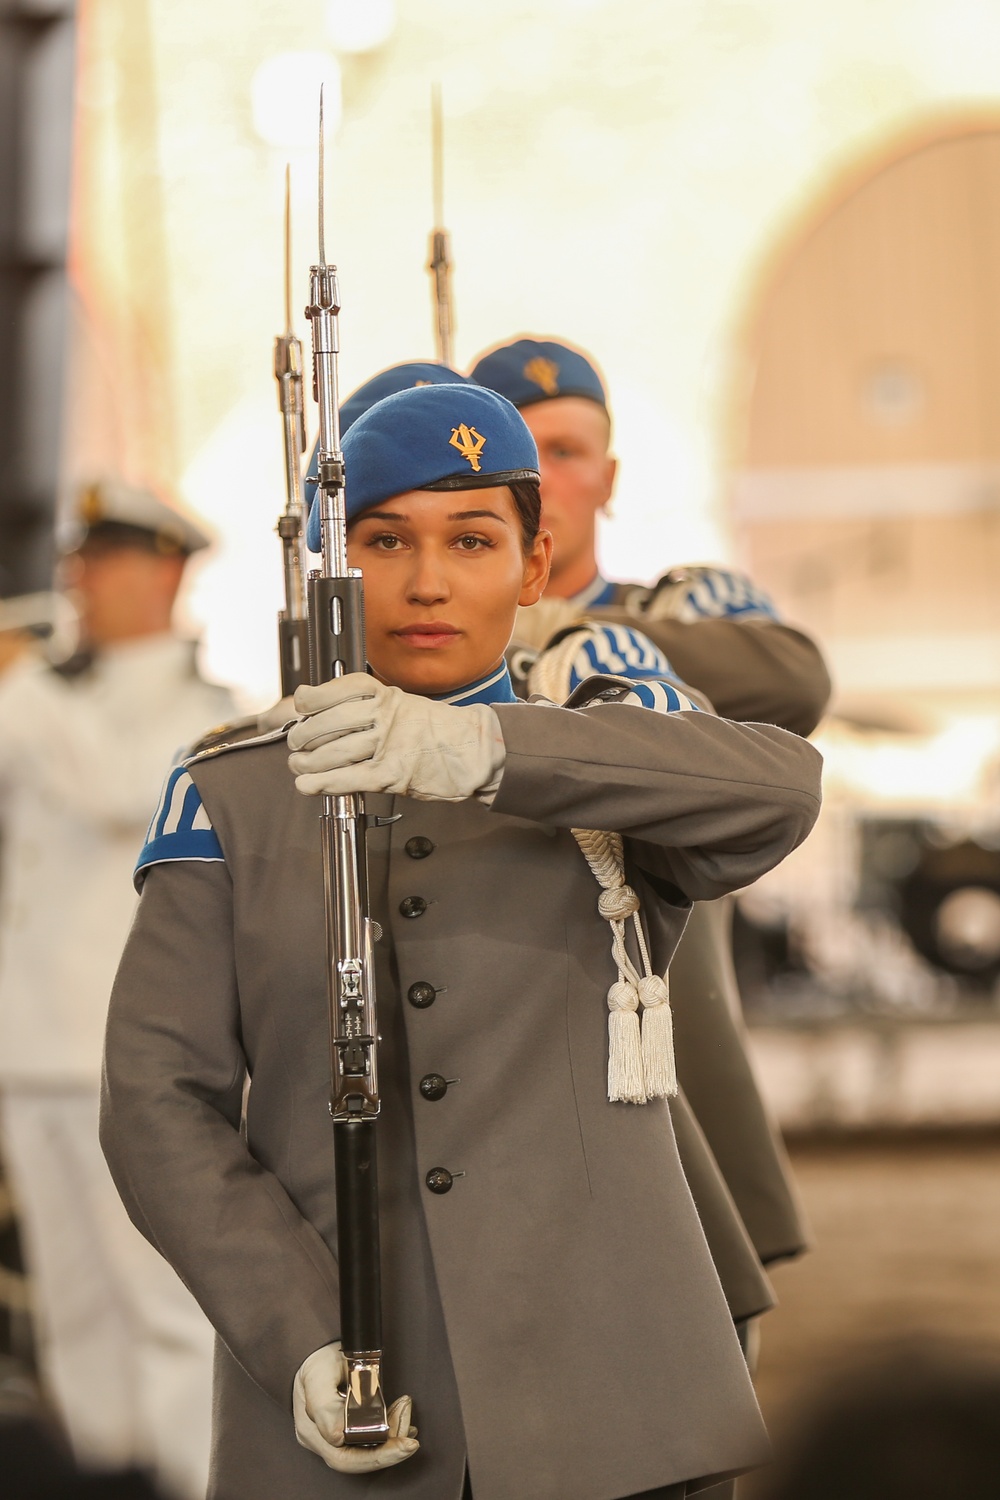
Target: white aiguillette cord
[[641, 1062]]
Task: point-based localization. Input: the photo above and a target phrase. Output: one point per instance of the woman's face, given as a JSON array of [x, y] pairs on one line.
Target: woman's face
[[444, 573]]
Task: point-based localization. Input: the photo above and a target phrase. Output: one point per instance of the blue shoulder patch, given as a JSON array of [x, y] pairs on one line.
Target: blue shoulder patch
[[718, 594], [658, 696], [180, 828], [617, 651], [661, 697]]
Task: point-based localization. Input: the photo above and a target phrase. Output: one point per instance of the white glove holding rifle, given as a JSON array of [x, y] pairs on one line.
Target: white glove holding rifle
[[318, 1408], [361, 736]]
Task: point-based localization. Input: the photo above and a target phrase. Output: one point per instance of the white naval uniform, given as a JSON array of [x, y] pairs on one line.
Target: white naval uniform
[[125, 1350]]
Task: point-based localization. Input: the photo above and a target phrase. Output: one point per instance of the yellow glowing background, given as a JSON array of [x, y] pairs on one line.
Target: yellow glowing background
[[615, 174]]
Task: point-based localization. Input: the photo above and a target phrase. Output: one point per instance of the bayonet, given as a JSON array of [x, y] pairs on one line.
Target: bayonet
[[293, 630], [440, 254]]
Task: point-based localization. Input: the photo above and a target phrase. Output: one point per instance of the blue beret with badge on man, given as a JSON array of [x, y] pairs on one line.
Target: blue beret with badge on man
[[532, 370]]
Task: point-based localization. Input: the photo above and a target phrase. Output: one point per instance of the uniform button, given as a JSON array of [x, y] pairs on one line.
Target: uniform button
[[421, 994], [439, 1180], [419, 847], [412, 906], [433, 1086]]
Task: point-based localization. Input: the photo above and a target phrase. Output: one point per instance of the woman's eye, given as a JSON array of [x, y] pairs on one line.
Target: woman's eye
[[386, 541], [472, 543]]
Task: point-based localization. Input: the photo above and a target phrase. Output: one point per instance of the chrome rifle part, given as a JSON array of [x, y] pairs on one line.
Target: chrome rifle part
[[440, 251], [336, 647], [293, 625]]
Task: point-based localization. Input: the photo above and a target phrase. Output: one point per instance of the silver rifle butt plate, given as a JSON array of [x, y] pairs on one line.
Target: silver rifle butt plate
[[365, 1421]]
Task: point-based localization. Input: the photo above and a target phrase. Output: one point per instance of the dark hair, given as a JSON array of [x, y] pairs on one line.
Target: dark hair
[[527, 497]]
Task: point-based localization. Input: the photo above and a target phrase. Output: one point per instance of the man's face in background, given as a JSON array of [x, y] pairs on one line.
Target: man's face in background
[[578, 476], [122, 592]]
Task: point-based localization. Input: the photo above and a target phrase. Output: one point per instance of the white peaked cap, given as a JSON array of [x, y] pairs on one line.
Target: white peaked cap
[[133, 505]]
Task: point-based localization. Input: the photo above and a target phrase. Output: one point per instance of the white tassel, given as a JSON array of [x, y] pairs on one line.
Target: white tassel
[[658, 1063], [625, 1069]]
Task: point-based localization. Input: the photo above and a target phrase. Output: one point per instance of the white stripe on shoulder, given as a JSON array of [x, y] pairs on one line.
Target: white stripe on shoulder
[[178, 795], [201, 818], [660, 697]]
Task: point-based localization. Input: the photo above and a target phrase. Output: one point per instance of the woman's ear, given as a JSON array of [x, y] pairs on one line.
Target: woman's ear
[[536, 569]]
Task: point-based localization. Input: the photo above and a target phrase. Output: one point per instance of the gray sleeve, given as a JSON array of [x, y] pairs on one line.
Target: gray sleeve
[[708, 805], [170, 1128], [758, 671]]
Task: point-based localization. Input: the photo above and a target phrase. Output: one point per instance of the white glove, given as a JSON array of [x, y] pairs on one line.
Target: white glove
[[318, 1407], [536, 624], [361, 736]]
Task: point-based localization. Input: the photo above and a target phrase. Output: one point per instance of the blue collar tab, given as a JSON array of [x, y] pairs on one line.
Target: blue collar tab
[[495, 687]]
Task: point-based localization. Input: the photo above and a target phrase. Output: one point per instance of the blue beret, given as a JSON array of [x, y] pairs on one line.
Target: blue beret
[[385, 383], [530, 370], [458, 437]]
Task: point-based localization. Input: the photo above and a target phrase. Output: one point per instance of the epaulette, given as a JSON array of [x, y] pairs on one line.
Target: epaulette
[[599, 690], [221, 734], [662, 696], [220, 742], [636, 596]]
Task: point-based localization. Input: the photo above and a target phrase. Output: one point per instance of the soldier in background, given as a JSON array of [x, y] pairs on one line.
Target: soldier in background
[[722, 636], [125, 1351]]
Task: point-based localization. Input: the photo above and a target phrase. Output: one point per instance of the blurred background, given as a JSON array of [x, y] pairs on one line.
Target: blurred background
[[777, 227]]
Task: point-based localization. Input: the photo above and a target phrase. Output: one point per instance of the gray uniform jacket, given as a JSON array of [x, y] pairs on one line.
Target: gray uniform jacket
[[556, 1315]]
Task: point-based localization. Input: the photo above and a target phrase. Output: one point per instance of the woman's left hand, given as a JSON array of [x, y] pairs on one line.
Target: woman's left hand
[[360, 736]]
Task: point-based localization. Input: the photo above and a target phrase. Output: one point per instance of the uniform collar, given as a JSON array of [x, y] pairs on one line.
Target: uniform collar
[[495, 687], [597, 593]]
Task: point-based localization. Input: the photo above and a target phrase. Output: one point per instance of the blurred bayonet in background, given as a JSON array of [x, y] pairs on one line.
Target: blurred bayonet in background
[[293, 625], [440, 261]]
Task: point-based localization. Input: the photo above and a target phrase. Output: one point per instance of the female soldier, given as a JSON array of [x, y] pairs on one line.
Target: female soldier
[[549, 1297]]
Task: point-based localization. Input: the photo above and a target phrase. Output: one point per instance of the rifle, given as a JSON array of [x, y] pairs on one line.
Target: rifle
[[440, 261], [293, 625], [336, 647]]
